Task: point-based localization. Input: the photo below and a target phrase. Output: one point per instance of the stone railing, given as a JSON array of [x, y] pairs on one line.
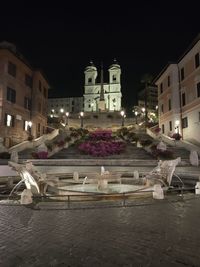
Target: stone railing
[[170, 141], [32, 144]]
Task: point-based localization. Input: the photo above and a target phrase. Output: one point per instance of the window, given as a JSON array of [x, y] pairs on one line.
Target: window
[[170, 125], [26, 125], [161, 88], [168, 81], [40, 86], [197, 61], [45, 92], [162, 108], [12, 69], [198, 89], [9, 120], [183, 99], [182, 74], [169, 104], [89, 80], [39, 107], [89, 106], [38, 127], [27, 103], [11, 95], [28, 80], [114, 78], [163, 128], [185, 122]]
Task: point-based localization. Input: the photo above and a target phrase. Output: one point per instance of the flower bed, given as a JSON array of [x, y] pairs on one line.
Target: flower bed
[[101, 143]]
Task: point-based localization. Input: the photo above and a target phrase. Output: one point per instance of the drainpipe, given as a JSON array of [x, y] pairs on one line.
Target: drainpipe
[[180, 102]]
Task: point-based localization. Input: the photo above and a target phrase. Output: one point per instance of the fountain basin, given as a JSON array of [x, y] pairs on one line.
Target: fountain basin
[[109, 189]]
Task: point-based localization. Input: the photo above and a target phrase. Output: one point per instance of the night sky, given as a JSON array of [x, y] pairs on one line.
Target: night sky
[[62, 39]]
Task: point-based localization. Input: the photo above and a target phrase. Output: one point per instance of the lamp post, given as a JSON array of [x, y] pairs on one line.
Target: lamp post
[[29, 128], [123, 115], [81, 117], [136, 113], [67, 118], [177, 123]]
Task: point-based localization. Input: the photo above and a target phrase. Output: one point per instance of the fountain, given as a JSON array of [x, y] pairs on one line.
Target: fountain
[[84, 181], [103, 183]]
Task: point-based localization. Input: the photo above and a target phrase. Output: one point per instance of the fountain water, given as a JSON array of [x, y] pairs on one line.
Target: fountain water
[[84, 181]]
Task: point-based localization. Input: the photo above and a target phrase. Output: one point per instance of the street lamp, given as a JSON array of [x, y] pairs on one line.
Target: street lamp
[[29, 127], [81, 116], [67, 117], [123, 116], [136, 113], [177, 123]]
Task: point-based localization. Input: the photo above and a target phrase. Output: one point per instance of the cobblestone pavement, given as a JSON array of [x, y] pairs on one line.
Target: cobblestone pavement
[[158, 233]]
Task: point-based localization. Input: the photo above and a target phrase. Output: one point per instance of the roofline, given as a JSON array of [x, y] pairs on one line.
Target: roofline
[[192, 44], [25, 61], [163, 70]]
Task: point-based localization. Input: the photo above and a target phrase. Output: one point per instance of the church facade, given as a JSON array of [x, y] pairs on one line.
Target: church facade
[[108, 94]]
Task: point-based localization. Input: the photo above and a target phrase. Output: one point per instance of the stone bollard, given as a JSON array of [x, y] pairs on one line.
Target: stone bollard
[[158, 192], [197, 188], [76, 176], [136, 174], [26, 197], [9, 183]]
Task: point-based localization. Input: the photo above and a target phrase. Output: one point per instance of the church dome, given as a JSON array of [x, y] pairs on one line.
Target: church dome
[[91, 67]]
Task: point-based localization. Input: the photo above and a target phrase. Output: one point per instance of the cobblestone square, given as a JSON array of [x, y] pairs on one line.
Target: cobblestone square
[[156, 233]]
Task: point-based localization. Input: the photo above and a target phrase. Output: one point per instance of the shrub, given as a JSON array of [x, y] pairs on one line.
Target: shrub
[[42, 155], [146, 142], [100, 135], [176, 136], [67, 139], [163, 154], [49, 146], [100, 143], [102, 148], [132, 137]]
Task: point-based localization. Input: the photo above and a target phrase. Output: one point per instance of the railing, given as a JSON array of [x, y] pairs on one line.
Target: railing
[[93, 200], [27, 144]]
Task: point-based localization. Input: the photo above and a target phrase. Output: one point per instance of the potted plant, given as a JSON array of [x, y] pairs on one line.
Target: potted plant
[[176, 136]]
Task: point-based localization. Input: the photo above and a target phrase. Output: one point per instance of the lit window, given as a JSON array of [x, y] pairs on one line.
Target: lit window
[[26, 125], [9, 120]]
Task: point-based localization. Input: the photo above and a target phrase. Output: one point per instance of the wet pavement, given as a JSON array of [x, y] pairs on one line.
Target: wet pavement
[[145, 234]]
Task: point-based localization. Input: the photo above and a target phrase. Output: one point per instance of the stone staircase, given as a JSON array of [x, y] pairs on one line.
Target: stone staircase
[[131, 152]]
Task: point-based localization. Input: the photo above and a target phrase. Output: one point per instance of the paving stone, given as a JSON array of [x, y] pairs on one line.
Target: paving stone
[[159, 233]]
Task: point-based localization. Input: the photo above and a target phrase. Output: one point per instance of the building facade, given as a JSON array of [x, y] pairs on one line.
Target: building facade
[[111, 91], [23, 97], [179, 95], [56, 106]]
